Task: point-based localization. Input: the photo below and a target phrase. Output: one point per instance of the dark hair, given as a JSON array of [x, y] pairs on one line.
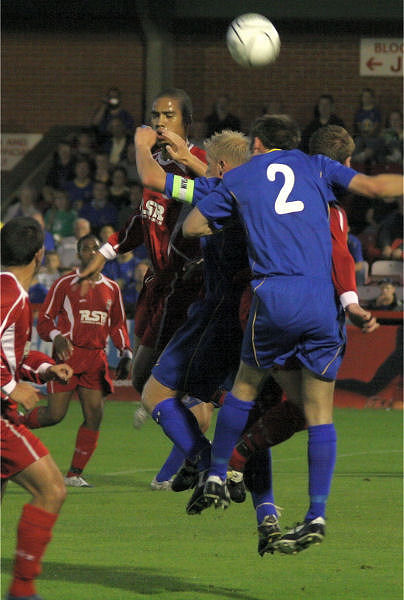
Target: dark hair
[[88, 236], [276, 131], [184, 99], [21, 238], [333, 141]]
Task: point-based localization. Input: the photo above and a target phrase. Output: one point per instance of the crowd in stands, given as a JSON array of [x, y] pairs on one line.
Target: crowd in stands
[[93, 185]]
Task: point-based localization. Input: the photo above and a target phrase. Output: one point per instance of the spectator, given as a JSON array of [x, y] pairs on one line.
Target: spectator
[[109, 108], [111, 267], [390, 233], [135, 199], [119, 190], [221, 118], [129, 164], [84, 145], [392, 136], [62, 168], [117, 146], [387, 298], [37, 291], [131, 289], [102, 167], [367, 110], [49, 242], [80, 189], [51, 269], [100, 211], [67, 249], [25, 205], [59, 219], [369, 145], [323, 115], [355, 248]]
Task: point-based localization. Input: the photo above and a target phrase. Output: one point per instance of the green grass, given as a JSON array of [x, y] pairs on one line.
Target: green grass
[[121, 541]]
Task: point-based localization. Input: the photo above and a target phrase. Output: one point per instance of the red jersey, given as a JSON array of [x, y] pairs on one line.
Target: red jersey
[[157, 224], [343, 265], [86, 320], [17, 361]]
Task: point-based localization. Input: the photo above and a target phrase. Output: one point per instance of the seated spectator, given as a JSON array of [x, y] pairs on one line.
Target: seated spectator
[[109, 108], [37, 291], [62, 168], [131, 289], [397, 249], [355, 248], [102, 168], [119, 190], [369, 146], [367, 110], [129, 164], [24, 205], [84, 145], [50, 271], [67, 248], [60, 218], [117, 145], [99, 211], [387, 298], [392, 136], [390, 233], [80, 189], [221, 118], [135, 200], [49, 242], [323, 115]]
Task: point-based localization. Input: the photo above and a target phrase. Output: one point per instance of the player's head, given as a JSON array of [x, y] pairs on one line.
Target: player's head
[[333, 141], [274, 131], [172, 109], [22, 241], [87, 246], [226, 150]]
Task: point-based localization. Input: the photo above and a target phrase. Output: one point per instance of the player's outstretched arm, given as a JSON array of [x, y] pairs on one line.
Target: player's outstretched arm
[[150, 172], [361, 318], [178, 149], [383, 185], [25, 394], [196, 225], [62, 373], [96, 264]]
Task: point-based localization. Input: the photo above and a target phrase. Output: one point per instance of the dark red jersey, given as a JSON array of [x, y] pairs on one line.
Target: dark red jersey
[[157, 224], [88, 319], [343, 265]]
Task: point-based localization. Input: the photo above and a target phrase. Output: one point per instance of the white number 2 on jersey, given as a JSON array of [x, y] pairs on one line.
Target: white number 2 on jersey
[[282, 206]]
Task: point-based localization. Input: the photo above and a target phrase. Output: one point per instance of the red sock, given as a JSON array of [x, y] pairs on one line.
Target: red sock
[[33, 535], [30, 420], [237, 461], [86, 443]]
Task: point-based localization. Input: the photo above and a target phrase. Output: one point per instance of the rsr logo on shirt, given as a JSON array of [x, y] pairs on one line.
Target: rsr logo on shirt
[[98, 317], [153, 211]]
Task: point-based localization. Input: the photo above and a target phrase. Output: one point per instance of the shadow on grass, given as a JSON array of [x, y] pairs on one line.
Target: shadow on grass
[[139, 580]]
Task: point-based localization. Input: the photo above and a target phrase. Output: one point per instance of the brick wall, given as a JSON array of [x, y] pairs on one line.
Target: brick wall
[[57, 78]]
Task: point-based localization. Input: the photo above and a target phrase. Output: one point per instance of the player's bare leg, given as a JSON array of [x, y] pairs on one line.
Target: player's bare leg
[[43, 480], [142, 362], [51, 414], [92, 405]]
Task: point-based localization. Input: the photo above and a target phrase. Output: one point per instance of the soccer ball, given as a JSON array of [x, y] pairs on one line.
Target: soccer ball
[[252, 40]]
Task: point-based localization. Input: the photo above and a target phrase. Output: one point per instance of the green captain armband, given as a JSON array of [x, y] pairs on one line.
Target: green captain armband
[[183, 189]]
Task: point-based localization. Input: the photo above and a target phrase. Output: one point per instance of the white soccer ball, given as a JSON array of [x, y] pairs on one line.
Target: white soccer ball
[[253, 41]]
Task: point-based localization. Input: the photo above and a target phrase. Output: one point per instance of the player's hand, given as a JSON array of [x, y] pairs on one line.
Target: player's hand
[[361, 318], [145, 136], [193, 269], [62, 373], [25, 394], [123, 368], [96, 264], [63, 347], [176, 147]]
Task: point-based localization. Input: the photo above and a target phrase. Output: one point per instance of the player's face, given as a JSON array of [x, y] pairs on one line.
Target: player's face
[[166, 114], [88, 249]]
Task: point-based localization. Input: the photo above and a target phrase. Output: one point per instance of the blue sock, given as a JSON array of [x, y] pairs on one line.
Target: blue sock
[[322, 453], [230, 424], [171, 466], [264, 502], [180, 425]]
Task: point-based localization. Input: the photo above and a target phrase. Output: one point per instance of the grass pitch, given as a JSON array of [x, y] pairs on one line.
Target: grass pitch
[[121, 541]]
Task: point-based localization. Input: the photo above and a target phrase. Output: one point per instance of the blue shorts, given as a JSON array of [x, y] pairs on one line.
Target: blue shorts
[[295, 316], [205, 350]]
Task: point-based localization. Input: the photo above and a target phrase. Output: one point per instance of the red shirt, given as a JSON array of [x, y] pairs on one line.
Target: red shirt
[[343, 266], [157, 224], [17, 361], [87, 320]]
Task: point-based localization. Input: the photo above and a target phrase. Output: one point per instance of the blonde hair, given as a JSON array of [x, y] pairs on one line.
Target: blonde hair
[[232, 146]]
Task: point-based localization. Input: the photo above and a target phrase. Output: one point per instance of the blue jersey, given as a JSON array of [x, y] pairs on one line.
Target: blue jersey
[[282, 198]]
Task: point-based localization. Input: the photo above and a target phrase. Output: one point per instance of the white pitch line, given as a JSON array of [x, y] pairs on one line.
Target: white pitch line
[[133, 471]]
